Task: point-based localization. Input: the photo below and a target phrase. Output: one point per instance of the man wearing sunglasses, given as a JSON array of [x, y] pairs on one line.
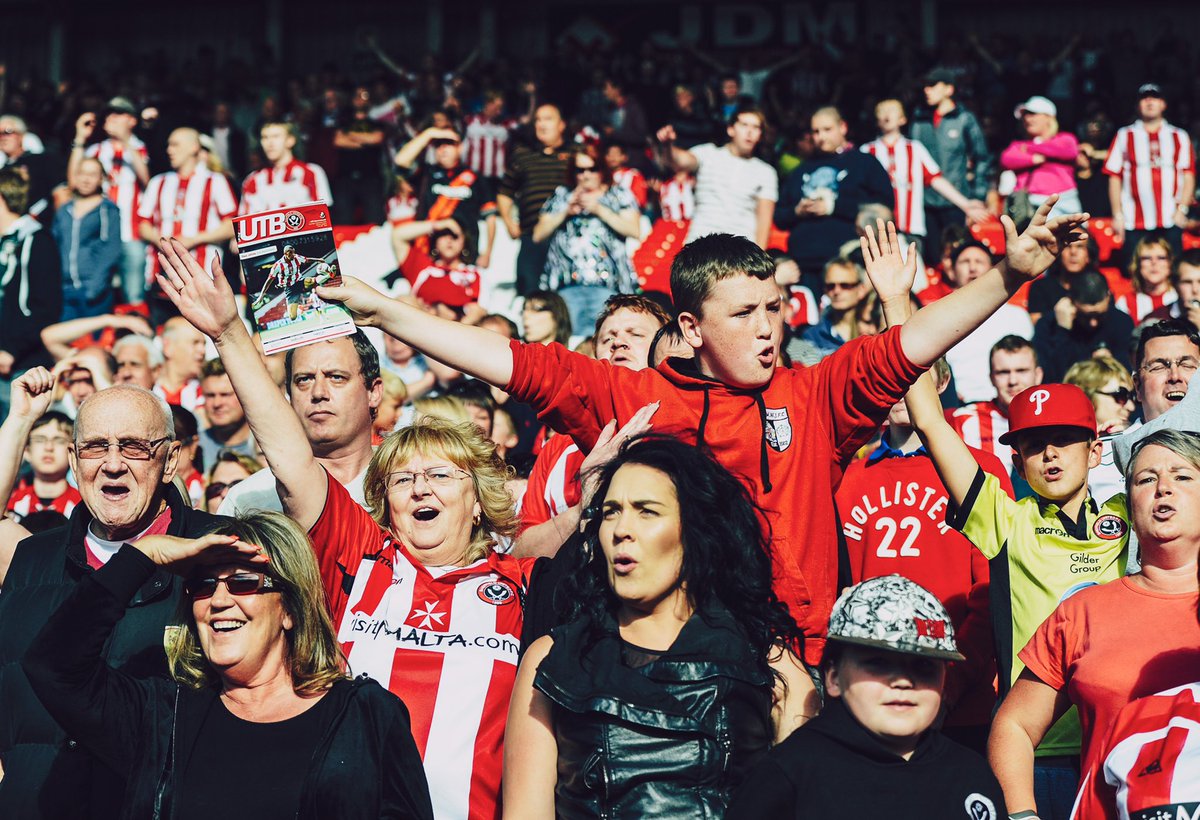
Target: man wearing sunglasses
[[845, 288], [124, 456]]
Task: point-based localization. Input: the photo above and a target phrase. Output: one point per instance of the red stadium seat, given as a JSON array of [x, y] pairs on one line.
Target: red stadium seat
[[991, 234]]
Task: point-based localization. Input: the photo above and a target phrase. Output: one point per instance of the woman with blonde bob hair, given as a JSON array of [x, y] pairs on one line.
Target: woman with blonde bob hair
[[255, 669], [1109, 386]]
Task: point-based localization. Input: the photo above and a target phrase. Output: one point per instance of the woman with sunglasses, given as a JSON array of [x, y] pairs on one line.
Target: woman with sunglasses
[[257, 680], [1110, 387], [674, 672], [587, 221], [229, 470]]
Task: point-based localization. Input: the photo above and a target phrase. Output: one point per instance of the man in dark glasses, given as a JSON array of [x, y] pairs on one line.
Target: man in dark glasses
[[124, 456]]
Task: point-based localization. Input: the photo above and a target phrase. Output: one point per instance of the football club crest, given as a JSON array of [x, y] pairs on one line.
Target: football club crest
[[777, 427], [1109, 527], [980, 807], [496, 593]]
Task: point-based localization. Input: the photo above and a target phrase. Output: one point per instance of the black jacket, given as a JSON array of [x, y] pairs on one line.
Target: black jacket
[[47, 775], [671, 739], [365, 767], [1058, 349], [30, 291], [854, 178], [833, 767]]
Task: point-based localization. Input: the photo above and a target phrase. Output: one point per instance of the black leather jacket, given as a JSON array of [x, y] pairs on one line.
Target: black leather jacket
[[670, 739]]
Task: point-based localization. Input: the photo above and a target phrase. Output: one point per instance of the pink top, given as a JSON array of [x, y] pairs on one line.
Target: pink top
[[1055, 175]]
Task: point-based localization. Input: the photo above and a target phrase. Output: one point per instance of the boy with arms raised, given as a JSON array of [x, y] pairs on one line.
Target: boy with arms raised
[[1042, 548], [790, 432]]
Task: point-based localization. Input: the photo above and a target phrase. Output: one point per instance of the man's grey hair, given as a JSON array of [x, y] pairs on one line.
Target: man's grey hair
[[154, 355], [130, 391], [18, 124]]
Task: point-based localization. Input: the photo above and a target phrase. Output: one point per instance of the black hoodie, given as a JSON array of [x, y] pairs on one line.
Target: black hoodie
[[833, 767]]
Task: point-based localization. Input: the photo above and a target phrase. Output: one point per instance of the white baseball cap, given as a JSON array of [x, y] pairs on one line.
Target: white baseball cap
[[1036, 105]]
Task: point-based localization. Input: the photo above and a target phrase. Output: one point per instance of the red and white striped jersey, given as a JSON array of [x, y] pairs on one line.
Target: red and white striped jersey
[[189, 397], [980, 425], [1151, 167], [1149, 767], [286, 272], [401, 209], [631, 180], [186, 207], [485, 145], [444, 639], [1139, 306], [24, 500], [553, 485], [120, 180], [805, 308], [677, 198], [911, 169], [296, 183]]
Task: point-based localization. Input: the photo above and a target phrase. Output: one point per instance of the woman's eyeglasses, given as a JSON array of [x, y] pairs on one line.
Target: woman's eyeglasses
[[437, 476], [239, 583], [1121, 395]]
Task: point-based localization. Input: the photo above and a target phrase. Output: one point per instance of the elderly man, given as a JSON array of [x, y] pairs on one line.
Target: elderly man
[[124, 457]]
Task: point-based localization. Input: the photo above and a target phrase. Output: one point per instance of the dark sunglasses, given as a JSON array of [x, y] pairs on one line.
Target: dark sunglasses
[[841, 285], [1121, 395], [240, 583], [591, 169], [217, 487]]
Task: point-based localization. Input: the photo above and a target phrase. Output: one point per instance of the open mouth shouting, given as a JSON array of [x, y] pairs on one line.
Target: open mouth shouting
[[426, 513]]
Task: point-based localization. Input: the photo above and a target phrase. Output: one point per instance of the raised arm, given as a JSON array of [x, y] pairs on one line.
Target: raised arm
[[953, 461], [473, 350], [208, 303], [680, 158], [58, 337], [31, 396], [936, 328], [407, 156]]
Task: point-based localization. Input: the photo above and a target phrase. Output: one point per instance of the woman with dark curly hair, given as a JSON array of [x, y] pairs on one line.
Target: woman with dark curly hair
[[677, 666]]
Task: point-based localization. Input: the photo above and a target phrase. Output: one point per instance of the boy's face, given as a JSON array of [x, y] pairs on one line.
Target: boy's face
[[737, 335], [1055, 460], [47, 451], [895, 696], [890, 119]]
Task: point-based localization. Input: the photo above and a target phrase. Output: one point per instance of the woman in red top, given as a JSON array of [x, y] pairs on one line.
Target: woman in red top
[[1106, 645]]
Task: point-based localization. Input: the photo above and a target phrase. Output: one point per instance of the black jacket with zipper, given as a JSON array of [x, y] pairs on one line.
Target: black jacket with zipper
[[48, 775], [365, 767]]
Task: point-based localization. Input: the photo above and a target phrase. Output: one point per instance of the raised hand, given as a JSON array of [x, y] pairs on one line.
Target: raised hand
[[32, 393], [609, 443], [891, 271], [204, 299], [1031, 253], [362, 300], [182, 555]]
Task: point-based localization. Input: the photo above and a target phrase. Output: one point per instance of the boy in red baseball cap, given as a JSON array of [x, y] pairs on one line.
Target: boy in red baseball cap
[[1042, 548]]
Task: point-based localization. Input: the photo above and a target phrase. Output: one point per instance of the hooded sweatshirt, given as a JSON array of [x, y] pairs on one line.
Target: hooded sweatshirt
[[789, 441], [30, 291], [833, 767]]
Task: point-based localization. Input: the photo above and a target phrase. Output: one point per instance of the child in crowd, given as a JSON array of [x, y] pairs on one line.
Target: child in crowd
[[873, 751], [46, 453], [395, 396], [400, 359], [1041, 548], [803, 309]]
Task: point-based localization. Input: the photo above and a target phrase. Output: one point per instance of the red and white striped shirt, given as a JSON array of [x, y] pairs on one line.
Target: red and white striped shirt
[[189, 397], [24, 500], [286, 272], [485, 145], [980, 425], [1151, 167], [186, 207], [1139, 306], [553, 485], [444, 639], [120, 180], [296, 184], [805, 308], [631, 180], [911, 169], [677, 198], [1149, 767]]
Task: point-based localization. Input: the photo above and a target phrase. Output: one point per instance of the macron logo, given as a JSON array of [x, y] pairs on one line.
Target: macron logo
[[1039, 397]]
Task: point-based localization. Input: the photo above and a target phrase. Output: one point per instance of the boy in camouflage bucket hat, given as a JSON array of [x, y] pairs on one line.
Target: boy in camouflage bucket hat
[[873, 751]]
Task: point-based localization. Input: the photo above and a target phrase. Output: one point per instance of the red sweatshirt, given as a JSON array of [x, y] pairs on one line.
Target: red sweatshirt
[[789, 441]]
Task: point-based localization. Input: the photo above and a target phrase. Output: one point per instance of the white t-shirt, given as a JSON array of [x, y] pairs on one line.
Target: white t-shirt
[[969, 360], [258, 492], [728, 189]]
